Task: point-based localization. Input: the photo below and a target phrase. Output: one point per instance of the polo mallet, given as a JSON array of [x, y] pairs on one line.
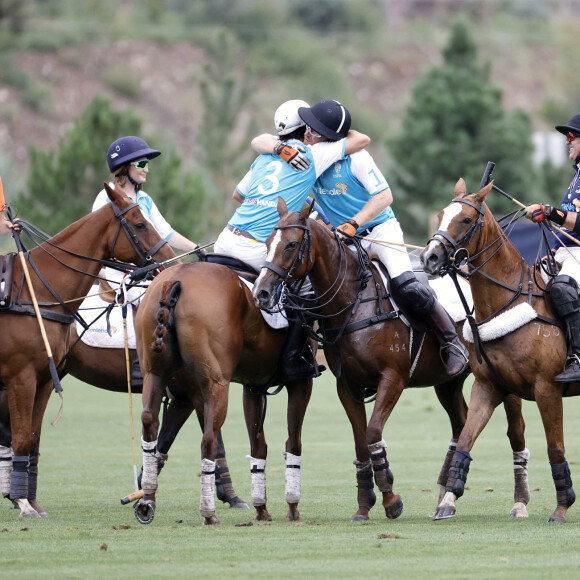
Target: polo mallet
[[20, 248]]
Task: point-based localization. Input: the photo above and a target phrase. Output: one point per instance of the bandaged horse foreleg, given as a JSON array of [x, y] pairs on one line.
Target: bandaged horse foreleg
[[32, 477], [5, 470], [292, 477], [364, 482], [563, 482], [383, 475], [420, 300], [258, 471], [149, 481], [19, 480], [207, 497], [522, 488], [444, 473], [458, 473]]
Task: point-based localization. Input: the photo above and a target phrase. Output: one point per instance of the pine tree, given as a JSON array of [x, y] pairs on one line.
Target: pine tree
[[454, 124]]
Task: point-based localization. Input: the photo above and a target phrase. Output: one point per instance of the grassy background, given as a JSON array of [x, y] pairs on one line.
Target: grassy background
[[86, 467]]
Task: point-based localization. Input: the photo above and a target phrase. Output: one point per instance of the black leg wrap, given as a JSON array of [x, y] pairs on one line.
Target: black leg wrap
[[383, 475], [444, 473], [223, 481], [364, 482], [32, 477], [563, 483], [458, 473], [19, 479]]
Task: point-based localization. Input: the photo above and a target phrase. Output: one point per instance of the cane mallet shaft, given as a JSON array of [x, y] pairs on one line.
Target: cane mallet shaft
[[133, 497], [19, 246]]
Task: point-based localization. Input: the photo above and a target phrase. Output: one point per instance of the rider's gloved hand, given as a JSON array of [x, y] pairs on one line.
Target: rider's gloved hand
[[538, 212], [347, 229], [293, 155]]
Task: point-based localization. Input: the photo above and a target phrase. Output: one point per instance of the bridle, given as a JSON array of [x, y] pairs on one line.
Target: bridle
[[304, 249]]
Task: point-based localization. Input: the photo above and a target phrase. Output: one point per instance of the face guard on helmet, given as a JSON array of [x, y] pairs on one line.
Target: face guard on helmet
[[286, 117], [329, 118], [127, 149]]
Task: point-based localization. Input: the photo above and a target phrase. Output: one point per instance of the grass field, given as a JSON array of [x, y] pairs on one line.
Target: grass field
[[86, 467]]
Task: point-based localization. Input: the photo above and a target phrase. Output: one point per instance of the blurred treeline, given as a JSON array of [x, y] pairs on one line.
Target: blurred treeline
[[262, 52]]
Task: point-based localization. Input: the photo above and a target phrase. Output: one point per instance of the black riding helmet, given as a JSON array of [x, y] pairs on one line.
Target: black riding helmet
[[329, 118], [127, 149]]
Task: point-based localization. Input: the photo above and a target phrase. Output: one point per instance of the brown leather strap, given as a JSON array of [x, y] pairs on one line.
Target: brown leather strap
[[239, 232], [106, 292]]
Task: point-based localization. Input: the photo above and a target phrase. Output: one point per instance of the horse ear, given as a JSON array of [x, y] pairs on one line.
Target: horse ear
[[460, 188], [282, 208], [482, 194], [306, 211], [111, 192]]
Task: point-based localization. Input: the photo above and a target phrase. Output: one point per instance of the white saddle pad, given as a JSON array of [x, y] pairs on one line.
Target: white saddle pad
[[275, 319], [97, 335]]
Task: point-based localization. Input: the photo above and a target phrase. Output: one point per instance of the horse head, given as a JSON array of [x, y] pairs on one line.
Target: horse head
[[289, 254], [142, 243], [460, 230]]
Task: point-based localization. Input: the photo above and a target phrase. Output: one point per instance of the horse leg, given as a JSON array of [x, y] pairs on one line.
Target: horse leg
[[223, 481], [450, 395], [484, 399], [299, 393], [253, 408], [356, 414], [5, 445], [516, 428], [551, 411], [153, 391], [389, 390]]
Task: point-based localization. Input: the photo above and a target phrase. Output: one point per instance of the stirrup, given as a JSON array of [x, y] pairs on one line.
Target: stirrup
[[460, 350], [571, 373]]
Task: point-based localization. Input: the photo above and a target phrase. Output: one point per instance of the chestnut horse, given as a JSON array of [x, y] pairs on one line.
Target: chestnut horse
[[106, 368], [522, 347], [62, 269], [200, 318], [371, 347]]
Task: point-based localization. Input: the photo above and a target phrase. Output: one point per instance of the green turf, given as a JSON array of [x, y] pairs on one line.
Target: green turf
[[86, 467]]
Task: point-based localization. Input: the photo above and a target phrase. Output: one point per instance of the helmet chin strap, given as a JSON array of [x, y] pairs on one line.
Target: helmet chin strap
[[136, 185]]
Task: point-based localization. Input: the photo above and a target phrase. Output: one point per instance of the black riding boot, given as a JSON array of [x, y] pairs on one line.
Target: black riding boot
[[136, 376], [297, 360], [566, 302], [418, 298]]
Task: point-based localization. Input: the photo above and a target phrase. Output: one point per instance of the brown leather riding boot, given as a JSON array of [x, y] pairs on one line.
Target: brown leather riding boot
[[453, 353]]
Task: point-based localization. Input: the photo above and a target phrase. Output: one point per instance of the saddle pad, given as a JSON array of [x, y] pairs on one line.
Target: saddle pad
[[97, 335], [275, 320], [502, 324]]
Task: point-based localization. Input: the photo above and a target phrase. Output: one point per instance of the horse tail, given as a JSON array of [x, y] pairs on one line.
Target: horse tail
[[165, 315]]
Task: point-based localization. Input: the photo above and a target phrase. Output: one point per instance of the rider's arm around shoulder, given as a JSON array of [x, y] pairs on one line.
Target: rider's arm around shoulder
[[264, 144], [356, 141]]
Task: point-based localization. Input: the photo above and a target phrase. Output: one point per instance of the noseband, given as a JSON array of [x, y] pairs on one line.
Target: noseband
[[304, 249], [145, 256]]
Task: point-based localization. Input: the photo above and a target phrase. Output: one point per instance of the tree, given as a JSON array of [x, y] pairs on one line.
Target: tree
[[63, 183], [453, 125]]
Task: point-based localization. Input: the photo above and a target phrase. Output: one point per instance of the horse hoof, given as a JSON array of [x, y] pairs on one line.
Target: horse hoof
[[144, 511], [238, 503], [444, 513], [359, 518], [556, 520], [32, 514], [395, 510], [519, 511], [211, 521]]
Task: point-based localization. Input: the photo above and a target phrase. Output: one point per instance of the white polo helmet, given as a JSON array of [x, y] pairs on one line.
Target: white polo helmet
[[286, 117]]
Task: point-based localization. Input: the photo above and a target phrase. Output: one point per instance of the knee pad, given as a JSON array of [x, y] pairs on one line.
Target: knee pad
[[564, 292], [412, 293]]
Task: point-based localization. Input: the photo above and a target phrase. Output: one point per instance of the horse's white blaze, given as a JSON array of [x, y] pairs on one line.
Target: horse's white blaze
[[449, 213], [293, 478], [271, 253], [207, 498]]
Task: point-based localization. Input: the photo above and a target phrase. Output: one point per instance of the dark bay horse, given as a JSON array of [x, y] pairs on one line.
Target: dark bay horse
[[200, 318], [62, 270], [524, 346], [361, 355], [106, 368]]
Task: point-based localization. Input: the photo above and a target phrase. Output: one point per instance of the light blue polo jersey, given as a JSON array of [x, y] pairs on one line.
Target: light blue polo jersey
[[346, 187], [270, 177]]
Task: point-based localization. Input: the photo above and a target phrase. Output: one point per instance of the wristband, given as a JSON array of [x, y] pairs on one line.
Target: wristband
[[556, 215]]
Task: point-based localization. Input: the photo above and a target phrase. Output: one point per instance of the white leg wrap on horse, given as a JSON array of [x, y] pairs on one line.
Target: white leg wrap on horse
[[383, 475], [5, 470], [293, 479], [258, 471], [522, 488], [207, 498], [149, 479]]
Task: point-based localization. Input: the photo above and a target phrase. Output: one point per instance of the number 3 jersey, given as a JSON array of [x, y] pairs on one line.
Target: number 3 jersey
[[346, 187], [270, 178]]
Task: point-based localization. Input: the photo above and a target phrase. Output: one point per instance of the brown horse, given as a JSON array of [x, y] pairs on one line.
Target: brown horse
[[106, 368], [522, 347], [369, 346], [201, 319], [62, 270]]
